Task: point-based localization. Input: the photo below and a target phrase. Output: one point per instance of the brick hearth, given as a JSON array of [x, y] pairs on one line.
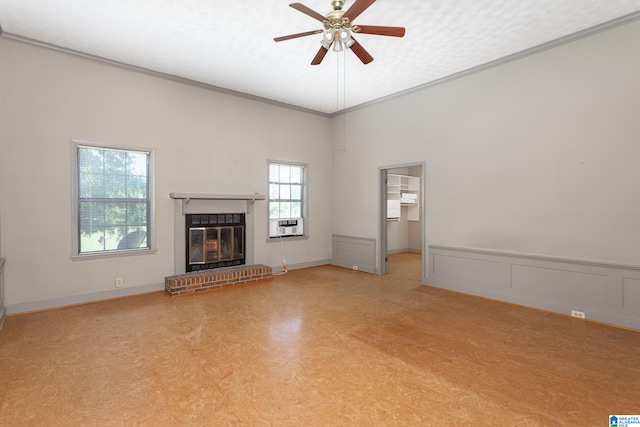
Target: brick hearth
[[198, 281]]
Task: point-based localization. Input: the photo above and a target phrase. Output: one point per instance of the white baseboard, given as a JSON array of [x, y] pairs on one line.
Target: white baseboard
[[405, 250], [605, 292], [116, 293], [81, 299], [278, 269]]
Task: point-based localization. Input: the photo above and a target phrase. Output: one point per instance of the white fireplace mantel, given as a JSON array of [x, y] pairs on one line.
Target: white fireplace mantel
[[187, 197]]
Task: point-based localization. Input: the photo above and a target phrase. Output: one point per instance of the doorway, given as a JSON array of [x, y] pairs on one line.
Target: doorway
[[396, 207]]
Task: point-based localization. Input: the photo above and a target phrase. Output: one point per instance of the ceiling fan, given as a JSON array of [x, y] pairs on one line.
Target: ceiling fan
[[338, 29]]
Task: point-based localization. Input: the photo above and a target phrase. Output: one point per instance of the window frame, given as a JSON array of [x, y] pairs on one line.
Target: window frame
[[304, 196], [75, 220]]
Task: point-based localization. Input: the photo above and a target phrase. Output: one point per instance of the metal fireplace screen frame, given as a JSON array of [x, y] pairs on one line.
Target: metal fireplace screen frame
[[214, 240]]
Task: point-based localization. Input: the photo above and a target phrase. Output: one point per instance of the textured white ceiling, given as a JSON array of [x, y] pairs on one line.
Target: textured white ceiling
[[229, 44]]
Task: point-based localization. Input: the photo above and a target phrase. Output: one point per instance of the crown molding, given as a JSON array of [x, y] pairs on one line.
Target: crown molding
[[166, 76], [504, 60]]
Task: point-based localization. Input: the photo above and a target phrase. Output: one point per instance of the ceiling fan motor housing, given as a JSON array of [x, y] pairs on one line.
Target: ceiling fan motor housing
[[337, 4], [335, 18]]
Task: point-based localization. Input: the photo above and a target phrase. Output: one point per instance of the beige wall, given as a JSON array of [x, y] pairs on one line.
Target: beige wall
[[536, 156], [205, 141], [3, 113], [539, 155]]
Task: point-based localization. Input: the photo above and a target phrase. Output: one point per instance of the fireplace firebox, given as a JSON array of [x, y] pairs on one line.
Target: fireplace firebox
[[214, 241]]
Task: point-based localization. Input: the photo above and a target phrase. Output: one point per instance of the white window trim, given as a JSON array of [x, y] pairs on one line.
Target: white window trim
[[151, 229], [305, 200]]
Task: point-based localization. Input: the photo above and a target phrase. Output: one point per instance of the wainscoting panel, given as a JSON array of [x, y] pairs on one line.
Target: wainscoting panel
[[568, 288], [3, 310], [349, 251], [474, 273], [605, 292], [631, 293]]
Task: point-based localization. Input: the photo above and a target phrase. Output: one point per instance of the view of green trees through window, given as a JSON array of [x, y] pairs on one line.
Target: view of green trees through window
[[113, 199]]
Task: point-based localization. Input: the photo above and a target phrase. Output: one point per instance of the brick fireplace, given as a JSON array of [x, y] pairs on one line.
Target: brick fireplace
[[213, 243], [217, 278]]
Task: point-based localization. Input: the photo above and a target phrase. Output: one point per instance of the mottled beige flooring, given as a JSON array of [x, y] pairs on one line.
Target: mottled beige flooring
[[320, 346]]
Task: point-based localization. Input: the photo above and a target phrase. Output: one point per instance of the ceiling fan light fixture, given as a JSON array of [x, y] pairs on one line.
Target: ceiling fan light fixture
[[329, 35], [344, 35], [337, 46], [349, 43]]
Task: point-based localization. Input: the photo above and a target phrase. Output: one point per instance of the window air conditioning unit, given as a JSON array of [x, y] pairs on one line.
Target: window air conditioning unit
[[286, 227]]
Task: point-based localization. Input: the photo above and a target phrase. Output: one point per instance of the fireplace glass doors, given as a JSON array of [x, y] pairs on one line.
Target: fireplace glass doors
[[215, 240]]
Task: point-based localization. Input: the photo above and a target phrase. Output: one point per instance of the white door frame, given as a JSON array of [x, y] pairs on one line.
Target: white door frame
[[381, 267]]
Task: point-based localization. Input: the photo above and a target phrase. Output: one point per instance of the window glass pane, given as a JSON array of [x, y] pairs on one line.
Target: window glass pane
[[285, 192], [274, 191], [145, 241], [114, 162], [274, 210], [274, 176], [136, 187], [91, 215], [296, 192], [285, 210], [113, 236], [114, 186], [285, 173], [91, 186], [136, 164], [90, 159], [296, 174], [136, 214], [116, 213], [94, 241], [296, 210]]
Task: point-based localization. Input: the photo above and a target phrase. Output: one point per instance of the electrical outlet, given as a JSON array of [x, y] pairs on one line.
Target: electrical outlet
[[119, 282], [355, 267], [578, 314]]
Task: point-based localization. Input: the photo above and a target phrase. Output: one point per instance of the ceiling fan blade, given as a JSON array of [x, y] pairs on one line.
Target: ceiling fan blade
[[320, 55], [357, 8], [295, 36], [381, 31], [361, 53], [307, 11]]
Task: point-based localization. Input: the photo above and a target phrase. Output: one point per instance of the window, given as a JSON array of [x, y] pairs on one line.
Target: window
[[287, 184], [114, 205]]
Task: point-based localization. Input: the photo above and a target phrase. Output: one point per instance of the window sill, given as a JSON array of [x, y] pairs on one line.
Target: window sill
[[114, 254], [284, 238]]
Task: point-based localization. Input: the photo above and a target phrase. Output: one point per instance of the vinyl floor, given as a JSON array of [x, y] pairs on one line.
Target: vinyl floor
[[323, 346]]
